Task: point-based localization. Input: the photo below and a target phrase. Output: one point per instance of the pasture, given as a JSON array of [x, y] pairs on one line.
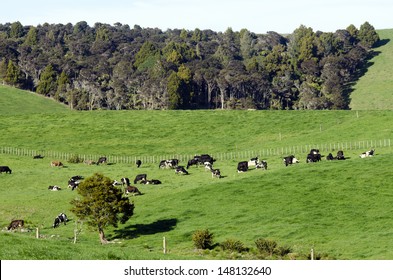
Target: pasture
[[374, 88], [339, 208]]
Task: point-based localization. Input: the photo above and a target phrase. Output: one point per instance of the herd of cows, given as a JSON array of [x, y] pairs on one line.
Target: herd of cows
[[198, 160]]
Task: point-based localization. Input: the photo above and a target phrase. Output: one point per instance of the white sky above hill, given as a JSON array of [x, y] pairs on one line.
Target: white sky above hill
[[259, 16]]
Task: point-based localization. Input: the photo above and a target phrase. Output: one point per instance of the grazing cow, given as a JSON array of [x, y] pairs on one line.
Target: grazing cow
[[56, 163], [181, 170], [340, 155], [38, 157], [152, 182], [125, 181], [102, 160], [289, 160], [242, 166], [74, 181], [61, 218], [16, 224], [367, 154], [5, 169], [312, 157], [73, 184], [140, 177], [330, 157], [314, 151], [191, 162], [262, 164], [216, 173], [132, 190], [169, 163], [54, 188], [138, 163]]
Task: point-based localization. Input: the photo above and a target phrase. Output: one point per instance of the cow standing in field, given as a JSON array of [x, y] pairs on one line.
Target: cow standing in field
[[102, 160], [138, 163], [5, 169], [125, 181], [140, 177], [74, 181], [61, 218], [16, 224]]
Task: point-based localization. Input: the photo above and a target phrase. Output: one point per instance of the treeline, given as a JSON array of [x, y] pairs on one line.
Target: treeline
[[117, 67]]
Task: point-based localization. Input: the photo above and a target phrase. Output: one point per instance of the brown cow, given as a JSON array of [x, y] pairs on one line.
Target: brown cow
[[132, 190], [56, 163], [15, 224]]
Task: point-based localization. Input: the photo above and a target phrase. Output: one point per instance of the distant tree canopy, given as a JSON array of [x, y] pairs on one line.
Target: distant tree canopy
[[118, 67]]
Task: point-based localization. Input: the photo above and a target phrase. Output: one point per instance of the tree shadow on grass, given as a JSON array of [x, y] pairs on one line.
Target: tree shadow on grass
[[134, 231]]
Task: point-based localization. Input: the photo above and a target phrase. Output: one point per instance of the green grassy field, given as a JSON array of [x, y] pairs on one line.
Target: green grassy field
[[374, 90], [341, 209]]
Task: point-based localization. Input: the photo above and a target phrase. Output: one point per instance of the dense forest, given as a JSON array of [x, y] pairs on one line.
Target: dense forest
[[117, 67]]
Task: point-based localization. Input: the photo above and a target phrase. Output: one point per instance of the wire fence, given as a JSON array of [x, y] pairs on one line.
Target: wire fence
[[236, 155]]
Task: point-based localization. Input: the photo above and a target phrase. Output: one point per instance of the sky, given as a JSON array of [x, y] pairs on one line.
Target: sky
[[258, 16]]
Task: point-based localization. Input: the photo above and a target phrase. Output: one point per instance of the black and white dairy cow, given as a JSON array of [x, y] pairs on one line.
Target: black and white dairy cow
[[74, 181], [253, 162], [140, 177], [242, 166], [289, 160], [125, 181], [329, 157], [367, 154], [313, 156], [262, 165], [169, 163], [61, 218], [5, 169], [54, 188], [340, 155], [181, 170]]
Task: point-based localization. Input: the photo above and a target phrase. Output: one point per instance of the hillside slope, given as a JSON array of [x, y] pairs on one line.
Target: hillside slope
[[374, 90], [15, 102]]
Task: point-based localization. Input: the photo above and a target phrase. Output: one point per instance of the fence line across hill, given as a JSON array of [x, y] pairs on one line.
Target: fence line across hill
[[237, 155]]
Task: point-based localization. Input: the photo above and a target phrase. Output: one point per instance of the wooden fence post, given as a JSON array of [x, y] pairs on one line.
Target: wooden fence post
[[164, 245]]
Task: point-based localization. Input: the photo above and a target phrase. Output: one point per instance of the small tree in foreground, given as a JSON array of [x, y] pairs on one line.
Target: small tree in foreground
[[101, 204]]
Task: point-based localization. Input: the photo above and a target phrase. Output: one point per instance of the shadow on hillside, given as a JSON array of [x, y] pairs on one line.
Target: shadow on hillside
[[134, 231], [349, 88], [381, 43]]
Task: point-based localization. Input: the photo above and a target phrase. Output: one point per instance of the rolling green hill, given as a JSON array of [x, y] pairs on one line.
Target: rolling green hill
[[374, 90], [15, 102]]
